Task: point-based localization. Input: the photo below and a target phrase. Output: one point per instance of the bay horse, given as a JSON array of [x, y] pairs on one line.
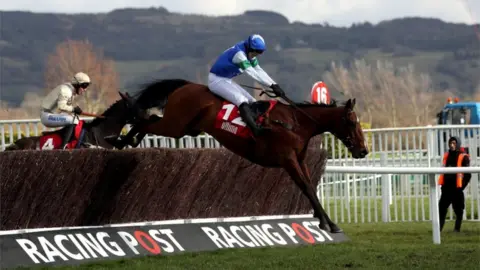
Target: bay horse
[[190, 108], [96, 133]]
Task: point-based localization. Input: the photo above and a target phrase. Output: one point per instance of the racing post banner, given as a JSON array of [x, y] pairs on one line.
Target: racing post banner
[[75, 245]]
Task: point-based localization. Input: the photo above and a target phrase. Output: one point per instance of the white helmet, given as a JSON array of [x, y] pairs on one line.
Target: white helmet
[[81, 78]]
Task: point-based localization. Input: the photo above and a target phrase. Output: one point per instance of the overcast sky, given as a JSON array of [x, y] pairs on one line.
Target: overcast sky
[[335, 12]]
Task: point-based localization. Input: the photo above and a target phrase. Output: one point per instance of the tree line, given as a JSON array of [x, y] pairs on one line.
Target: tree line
[[388, 94]]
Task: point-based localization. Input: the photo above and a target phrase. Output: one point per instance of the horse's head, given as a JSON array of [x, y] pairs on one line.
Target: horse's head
[[114, 118], [349, 131], [133, 111]]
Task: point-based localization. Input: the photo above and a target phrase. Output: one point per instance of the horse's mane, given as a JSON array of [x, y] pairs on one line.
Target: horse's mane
[[155, 93], [333, 104], [98, 120]]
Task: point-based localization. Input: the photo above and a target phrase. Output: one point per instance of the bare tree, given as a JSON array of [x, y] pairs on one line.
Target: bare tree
[[356, 83], [72, 56], [388, 96]]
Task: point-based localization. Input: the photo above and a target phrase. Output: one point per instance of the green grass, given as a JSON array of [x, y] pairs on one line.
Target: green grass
[[423, 61], [141, 66], [372, 246], [15, 63], [314, 56], [128, 70]]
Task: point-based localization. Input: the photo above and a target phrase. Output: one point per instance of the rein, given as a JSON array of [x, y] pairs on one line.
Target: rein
[[347, 141], [93, 115]]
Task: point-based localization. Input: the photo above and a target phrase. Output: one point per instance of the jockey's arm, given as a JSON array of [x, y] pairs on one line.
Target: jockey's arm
[[240, 59], [63, 97], [262, 72]]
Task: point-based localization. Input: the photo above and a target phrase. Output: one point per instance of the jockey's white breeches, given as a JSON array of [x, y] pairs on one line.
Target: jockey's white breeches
[[53, 120], [229, 90]]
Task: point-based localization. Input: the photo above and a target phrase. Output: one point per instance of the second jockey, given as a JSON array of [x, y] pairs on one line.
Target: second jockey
[[58, 109], [242, 57]]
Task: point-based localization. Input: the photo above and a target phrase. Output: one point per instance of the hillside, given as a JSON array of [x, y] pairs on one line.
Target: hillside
[[155, 43]]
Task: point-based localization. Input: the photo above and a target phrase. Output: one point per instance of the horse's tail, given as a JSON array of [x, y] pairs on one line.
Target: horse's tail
[[24, 144], [155, 94], [12, 147]]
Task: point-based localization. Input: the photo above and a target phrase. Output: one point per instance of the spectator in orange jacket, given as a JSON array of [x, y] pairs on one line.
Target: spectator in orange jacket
[[452, 185]]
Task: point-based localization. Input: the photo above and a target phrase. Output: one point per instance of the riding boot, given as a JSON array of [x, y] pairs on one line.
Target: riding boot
[[247, 116], [67, 135]]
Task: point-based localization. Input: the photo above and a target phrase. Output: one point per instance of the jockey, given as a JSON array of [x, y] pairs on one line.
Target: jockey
[[57, 106], [242, 57]]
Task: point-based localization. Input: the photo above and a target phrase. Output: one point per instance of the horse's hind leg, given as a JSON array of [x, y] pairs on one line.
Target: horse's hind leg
[[27, 143], [174, 128], [333, 227], [295, 171]]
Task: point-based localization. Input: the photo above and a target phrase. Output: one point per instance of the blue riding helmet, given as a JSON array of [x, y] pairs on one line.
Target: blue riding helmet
[[256, 43]]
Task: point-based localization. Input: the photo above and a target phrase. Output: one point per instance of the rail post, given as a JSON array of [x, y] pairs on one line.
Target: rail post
[[434, 208], [385, 190]]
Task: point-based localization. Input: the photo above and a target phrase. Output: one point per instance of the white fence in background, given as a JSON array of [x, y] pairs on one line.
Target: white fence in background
[[404, 146], [351, 196], [384, 203]]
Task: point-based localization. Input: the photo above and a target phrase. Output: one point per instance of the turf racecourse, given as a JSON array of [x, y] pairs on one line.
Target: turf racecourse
[[406, 245]]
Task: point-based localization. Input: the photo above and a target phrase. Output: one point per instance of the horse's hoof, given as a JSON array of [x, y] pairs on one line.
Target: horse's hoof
[[335, 229], [323, 227]]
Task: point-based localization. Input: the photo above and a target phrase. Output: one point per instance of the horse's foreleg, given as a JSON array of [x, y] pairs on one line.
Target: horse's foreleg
[[295, 171], [135, 135], [333, 227], [138, 136], [130, 138]]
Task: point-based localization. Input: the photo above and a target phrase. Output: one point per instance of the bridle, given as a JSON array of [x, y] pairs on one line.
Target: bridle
[[271, 93], [347, 141]]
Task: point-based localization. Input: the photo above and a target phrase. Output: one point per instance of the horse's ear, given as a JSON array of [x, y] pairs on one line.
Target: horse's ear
[[348, 105], [122, 95]]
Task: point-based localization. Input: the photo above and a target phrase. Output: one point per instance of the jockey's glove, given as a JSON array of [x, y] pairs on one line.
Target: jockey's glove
[[77, 110], [277, 90]]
